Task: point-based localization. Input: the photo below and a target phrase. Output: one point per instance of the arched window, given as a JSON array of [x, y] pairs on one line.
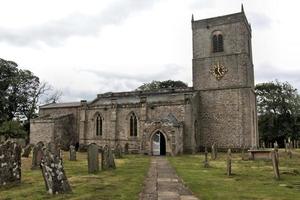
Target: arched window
[[217, 41], [133, 125], [99, 125]]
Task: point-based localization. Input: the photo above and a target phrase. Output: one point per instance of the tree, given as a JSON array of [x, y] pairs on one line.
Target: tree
[[12, 129], [278, 111], [155, 85], [21, 92]]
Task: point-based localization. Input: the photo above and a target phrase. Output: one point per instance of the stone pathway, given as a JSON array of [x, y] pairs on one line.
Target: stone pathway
[[162, 183]]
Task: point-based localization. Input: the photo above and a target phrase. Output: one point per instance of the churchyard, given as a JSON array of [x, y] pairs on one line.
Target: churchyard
[[250, 179], [124, 182], [209, 175]]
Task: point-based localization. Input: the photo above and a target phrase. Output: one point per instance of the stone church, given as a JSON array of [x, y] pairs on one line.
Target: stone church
[[220, 108]]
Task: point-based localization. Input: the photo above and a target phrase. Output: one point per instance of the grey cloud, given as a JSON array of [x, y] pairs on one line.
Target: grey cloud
[[267, 72], [54, 33], [260, 20], [117, 82]]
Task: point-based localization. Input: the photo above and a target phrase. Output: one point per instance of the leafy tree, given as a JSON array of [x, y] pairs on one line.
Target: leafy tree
[[12, 129], [278, 111], [155, 85], [20, 93]]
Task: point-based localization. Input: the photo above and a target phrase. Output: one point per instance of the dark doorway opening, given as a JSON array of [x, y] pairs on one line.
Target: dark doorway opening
[[158, 144]]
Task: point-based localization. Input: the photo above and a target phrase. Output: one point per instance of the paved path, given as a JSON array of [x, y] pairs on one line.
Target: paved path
[[162, 183]]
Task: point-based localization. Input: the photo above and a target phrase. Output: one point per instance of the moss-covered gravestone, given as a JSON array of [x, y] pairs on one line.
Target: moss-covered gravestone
[[53, 171], [118, 151], [37, 154], [107, 159], [27, 151], [10, 163], [93, 158], [72, 153]]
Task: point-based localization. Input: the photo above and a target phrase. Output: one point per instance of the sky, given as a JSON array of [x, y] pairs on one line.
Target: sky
[[84, 48]]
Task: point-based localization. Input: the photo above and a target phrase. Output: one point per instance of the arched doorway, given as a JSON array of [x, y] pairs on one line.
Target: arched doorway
[[158, 144]]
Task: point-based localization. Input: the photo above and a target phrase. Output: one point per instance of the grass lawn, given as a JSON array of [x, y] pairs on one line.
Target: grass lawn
[[250, 180], [123, 183]]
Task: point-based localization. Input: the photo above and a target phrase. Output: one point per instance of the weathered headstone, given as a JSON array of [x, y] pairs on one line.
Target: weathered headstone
[[72, 153], [118, 151], [263, 145], [10, 163], [275, 163], [53, 171], [213, 152], [243, 153], [93, 158], [276, 146], [107, 157], [37, 154], [27, 151], [126, 148], [285, 146], [206, 164], [229, 162], [289, 150]]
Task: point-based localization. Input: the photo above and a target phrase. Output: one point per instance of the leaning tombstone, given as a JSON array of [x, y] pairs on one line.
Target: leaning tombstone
[[10, 163], [107, 157], [118, 151], [229, 162], [72, 153], [206, 164], [93, 158], [37, 154], [27, 151], [53, 171], [275, 163]]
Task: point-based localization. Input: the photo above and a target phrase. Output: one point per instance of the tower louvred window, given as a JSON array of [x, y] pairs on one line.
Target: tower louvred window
[[217, 42]]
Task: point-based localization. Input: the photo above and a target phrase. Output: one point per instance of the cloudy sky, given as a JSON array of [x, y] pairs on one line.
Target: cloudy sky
[[88, 47]]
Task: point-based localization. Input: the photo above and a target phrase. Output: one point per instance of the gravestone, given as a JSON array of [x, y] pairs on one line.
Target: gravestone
[[107, 159], [72, 153], [229, 162], [276, 147], [93, 158], [263, 145], [243, 153], [10, 163], [37, 154], [285, 146], [213, 152], [27, 151], [206, 164], [53, 171], [289, 145], [126, 148], [118, 151], [275, 163]]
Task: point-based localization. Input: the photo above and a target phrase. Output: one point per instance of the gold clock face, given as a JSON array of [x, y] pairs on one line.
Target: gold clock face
[[218, 71]]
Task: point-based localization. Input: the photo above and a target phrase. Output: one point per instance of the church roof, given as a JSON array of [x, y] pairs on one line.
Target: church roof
[[61, 105]]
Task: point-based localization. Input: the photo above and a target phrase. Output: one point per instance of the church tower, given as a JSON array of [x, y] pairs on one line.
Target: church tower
[[224, 78]]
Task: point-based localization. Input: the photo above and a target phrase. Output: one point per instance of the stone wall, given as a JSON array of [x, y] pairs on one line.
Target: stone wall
[[41, 130]]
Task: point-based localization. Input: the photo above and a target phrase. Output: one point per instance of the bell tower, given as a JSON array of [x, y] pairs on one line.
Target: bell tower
[[224, 77]]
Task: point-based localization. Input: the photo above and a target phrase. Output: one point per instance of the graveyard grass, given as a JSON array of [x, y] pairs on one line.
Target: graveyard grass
[[125, 182], [250, 179]]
